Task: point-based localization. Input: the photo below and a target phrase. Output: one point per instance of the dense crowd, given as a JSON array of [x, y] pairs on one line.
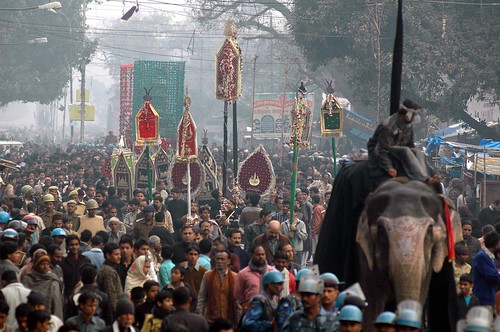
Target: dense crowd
[[75, 257]]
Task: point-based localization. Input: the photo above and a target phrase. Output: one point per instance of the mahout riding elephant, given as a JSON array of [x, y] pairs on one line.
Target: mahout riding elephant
[[381, 267], [402, 235]]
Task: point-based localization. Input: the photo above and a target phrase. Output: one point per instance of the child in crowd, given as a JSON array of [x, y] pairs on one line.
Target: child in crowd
[[465, 299], [164, 306], [137, 296], [166, 267], [460, 265], [178, 273]]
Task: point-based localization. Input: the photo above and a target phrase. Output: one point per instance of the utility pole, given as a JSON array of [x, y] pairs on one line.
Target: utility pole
[[254, 60], [82, 71], [64, 114]]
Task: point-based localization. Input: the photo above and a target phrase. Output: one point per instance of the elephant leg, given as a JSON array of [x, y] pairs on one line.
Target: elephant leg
[[377, 291], [442, 300]]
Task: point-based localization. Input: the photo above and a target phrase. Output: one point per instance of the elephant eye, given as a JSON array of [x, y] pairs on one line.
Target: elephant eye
[[431, 205]]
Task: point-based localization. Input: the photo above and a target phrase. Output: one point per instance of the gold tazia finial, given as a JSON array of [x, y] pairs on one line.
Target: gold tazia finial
[[187, 99], [230, 29]]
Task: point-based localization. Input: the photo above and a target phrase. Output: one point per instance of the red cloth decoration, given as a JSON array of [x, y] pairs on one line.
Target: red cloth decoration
[[256, 173], [187, 146], [449, 232], [147, 124], [106, 168], [179, 176]]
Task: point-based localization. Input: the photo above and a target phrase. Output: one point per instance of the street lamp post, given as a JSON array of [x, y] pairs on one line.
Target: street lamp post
[[82, 81], [49, 6]]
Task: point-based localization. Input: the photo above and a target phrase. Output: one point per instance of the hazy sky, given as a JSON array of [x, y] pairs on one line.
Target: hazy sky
[[109, 13]]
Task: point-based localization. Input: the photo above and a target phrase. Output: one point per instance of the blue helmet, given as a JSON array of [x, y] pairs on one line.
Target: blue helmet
[[330, 277], [302, 273], [272, 277], [409, 318], [386, 317], [58, 232], [350, 313], [10, 234], [339, 302], [4, 217]]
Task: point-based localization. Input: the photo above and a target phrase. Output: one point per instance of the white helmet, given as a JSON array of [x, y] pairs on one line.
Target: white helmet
[[479, 319], [310, 284]]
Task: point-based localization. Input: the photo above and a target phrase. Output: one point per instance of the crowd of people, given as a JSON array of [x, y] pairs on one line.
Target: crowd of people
[[75, 257]]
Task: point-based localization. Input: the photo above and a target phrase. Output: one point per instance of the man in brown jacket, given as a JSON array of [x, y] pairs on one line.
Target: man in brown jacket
[[271, 240], [143, 226], [216, 297]]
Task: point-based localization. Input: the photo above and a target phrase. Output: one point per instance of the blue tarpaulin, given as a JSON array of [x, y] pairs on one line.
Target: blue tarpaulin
[[485, 156]]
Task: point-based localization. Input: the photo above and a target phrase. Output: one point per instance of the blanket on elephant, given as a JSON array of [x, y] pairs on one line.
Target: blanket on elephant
[[337, 250]]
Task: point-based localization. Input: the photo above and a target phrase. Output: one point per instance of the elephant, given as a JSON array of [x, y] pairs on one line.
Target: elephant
[[403, 240]]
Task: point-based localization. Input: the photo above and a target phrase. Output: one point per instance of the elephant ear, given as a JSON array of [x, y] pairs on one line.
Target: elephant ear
[[454, 217], [364, 237], [439, 250]]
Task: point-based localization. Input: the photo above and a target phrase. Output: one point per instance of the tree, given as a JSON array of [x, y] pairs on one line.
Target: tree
[[451, 53], [38, 72]]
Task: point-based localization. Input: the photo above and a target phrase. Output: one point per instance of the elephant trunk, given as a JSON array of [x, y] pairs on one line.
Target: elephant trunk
[[410, 248]]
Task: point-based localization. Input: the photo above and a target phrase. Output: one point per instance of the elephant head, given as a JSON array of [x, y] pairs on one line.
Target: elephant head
[[402, 234]]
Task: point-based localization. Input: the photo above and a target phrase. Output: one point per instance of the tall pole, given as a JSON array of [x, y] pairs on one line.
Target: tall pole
[[82, 85], [283, 111], [224, 162], [71, 85], [188, 173], [293, 186], [150, 176], [299, 117], [64, 114], [235, 141], [376, 24], [334, 150], [397, 62], [254, 60]]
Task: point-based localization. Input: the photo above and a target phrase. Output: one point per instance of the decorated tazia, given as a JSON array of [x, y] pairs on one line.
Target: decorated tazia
[[162, 162], [256, 173], [147, 123], [331, 114], [186, 172], [209, 165], [142, 167], [179, 177], [122, 178], [187, 146], [301, 117], [228, 67]]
